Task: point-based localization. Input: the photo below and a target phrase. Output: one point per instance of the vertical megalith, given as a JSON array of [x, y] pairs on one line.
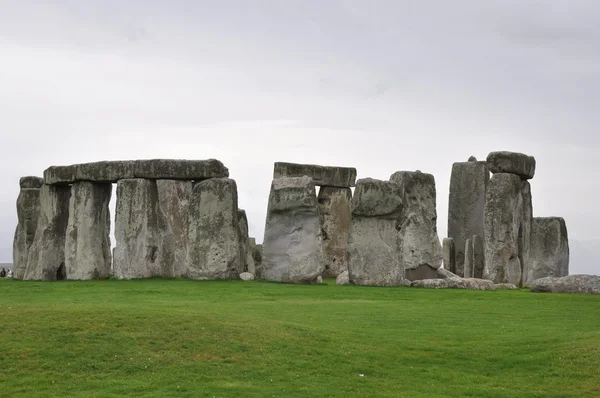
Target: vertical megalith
[[419, 242], [143, 237], [46, 258], [468, 264], [257, 256], [245, 249], [292, 250], [502, 229], [549, 255], [28, 209], [335, 211], [375, 258], [468, 183], [174, 199], [525, 231], [449, 254], [87, 245], [478, 257], [213, 231]]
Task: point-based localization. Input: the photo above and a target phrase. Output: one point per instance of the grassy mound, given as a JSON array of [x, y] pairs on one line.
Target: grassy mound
[[255, 339]]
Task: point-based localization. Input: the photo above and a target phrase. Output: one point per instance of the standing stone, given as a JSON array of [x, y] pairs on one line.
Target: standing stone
[[449, 254], [46, 258], [28, 210], [468, 266], [250, 262], [478, 257], [292, 248], [549, 254], [87, 246], [420, 244], [144, 241], [374, 245], [246, 255], [335, 211], [503, 227], [257, 256], [526, 227], [512, 163], [213, 234], [174, 200], [468, 184]]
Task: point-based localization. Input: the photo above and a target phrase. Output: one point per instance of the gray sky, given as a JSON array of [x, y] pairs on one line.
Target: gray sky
[[378, 85]]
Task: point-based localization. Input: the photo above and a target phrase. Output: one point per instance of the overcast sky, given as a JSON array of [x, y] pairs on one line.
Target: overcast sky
[[377, 85]]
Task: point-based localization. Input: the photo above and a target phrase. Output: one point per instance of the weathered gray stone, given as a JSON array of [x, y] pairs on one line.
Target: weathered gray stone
[[214, 242], [335, 211], [105, 171], [292, 248], [466, 205], [250, 260], [449, 254], [343, 278], [179, 169], [87, 245], [144, 240], [28, 210], [549, 254], [155, 169], [174, 198], [31, 182], [468, 265], [456, 283], [445, 274], [478, 257], [257, 256], [525, 232], [375, 258], [512, 163], [506, 286], [503, 229], [46, 258], [344, 177], [245, 250], [247, 276], [420, 245], [585, 284]]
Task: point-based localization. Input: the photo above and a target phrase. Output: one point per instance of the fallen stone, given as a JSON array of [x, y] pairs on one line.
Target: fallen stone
[[503, 229], [584, 284], [420, 245], [468, 184], [374, 245], [46, 257], [174, 198], [449, 254], [247, 276], [512, 163], [31, 182], [455, 283], [343, 278], [214, 242], [335, 211], [468, 265], [506, 286], [28, 210], [87, 245], [445, 274], [343, 177], [292, 248], [549, 254], [144, 240]]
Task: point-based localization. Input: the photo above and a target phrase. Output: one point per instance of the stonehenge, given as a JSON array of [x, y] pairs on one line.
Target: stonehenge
[[180, 218]]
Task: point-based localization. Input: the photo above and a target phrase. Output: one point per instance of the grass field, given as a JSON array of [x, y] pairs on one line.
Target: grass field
[[254, 339]]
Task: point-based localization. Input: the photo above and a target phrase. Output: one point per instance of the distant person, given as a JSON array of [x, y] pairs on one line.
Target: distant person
[[9, 274], [3, 273]]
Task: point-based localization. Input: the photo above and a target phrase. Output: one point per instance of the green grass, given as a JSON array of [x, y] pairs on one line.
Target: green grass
[[255, 339]]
